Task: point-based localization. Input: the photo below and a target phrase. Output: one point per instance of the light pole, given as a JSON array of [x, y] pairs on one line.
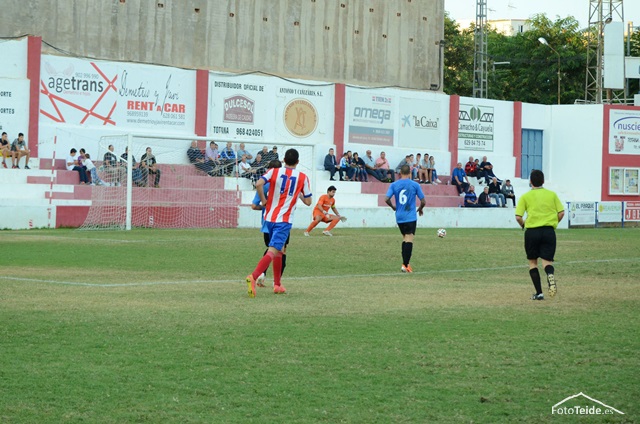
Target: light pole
[[544, 41]]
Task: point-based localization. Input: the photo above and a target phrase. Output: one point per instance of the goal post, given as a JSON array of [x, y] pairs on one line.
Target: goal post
[[160, 181]]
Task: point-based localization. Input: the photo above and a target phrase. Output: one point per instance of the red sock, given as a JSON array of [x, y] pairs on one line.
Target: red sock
[[277, 268], [333, 223], [263, 264]]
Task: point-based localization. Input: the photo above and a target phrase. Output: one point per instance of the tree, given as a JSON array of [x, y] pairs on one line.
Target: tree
[[458, 58]]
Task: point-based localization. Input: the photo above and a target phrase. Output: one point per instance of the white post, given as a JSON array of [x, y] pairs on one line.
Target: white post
[[129, 180]]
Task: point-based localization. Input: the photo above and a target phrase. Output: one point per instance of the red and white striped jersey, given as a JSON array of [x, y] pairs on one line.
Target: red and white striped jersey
[[285, 184]]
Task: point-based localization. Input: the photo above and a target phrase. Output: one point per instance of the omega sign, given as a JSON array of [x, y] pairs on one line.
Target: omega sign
[[239, 109], [300, 117]]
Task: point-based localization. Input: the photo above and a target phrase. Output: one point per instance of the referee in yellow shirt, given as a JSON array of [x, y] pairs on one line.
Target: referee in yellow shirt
[[544, 211]]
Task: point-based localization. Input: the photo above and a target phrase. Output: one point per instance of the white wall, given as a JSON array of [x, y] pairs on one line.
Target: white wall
[[14, 54]]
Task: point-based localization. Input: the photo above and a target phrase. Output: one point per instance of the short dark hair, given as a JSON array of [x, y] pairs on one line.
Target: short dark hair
[[20, 135], [405, 170], [86, 155], [291, 157], [274, 164], [4, 133], [331, 188], [73, 150], [537, 178]]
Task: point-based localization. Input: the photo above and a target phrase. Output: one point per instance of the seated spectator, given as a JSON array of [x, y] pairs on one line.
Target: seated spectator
[[91, 168], [470, 198], [383, 165], [496, 193], [72, 165], [458, 178], [259, 165], [197, 158], [361, 170], [405, 161], [136, 172], [19, 149], [245, 170], [345, 166], [432, 169], [212, 157], [80, 158], [272, 155], [331, 165], [471, 168], [507, 191], [241, 151], [114, 172], [148, 166], [228, 159], [5, 150], [424, 174], [486, 171], [484, 200], [371, 168]]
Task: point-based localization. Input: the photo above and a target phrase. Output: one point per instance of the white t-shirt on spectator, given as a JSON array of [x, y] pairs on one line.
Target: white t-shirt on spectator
[[71, 159]]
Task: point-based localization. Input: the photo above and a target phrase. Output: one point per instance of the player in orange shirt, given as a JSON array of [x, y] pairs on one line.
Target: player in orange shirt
[[321, 213]]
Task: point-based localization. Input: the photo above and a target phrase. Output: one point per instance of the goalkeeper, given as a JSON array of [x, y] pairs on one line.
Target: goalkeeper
[[321, 213]]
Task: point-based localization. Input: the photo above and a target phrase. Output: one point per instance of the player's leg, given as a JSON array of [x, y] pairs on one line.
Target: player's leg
[[408, 230], [316, 220], [532, 249], [547, 253], [333, 221], [279, 238]]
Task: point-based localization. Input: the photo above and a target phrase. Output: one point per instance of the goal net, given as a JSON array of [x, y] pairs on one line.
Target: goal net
[[172, 182]]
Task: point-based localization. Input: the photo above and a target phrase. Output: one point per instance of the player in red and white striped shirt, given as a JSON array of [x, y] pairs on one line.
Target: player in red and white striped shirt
[[286, 185]]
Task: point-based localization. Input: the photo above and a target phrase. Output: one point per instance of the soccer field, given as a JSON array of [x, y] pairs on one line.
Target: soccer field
[[155, 326]]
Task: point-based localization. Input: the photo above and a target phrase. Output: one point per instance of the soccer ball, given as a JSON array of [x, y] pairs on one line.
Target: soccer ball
[[442, 232]]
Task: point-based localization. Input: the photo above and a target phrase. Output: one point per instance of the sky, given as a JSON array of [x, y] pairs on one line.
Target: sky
[[465, 10]]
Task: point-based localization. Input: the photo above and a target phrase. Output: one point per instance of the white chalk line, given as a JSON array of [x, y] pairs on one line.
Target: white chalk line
[[322, 277]]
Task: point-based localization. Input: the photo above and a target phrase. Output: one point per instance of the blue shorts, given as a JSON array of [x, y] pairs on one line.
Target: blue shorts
[[279, 233]]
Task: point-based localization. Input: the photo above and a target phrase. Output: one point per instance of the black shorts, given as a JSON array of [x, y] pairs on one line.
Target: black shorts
[[408, 227], [540, 243], [267, 239]]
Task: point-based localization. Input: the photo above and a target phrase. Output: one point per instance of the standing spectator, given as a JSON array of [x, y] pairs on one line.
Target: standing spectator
[[485, 199], [470, 198], [496, 193], [288, 185], [383, 165], [228, 159], [72, 165], [405, 191], [433, 172], [361, 171], [19, 149], [321, 213], [507, 191], [148, 166], [197, 158], [93, 172], [242, 151], [5, 149], [372, 168], [345, 166], [114, 171], [331, 165], [459, 179], [544, 211]]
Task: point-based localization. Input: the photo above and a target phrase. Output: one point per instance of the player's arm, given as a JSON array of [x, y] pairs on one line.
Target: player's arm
[[521, 220], [260, 191], [335, 211], [423, 203], [387, 200], [560, 215]]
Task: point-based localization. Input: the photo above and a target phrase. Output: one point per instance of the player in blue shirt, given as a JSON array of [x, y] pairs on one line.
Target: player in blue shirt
[[405, 191], [257, 206]]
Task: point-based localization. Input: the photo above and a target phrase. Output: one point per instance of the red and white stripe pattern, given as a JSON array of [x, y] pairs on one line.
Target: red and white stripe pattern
[[285, 185]]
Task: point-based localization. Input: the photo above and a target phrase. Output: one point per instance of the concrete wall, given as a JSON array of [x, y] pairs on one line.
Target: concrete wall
[[375, 42]]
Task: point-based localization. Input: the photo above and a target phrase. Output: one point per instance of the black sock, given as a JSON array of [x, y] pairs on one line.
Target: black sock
[[409, 251], [284, 263], [405, 259], [549, 269], [535, 277]]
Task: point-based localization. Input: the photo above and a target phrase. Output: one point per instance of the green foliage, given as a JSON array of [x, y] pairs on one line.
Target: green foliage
[[155, 326]]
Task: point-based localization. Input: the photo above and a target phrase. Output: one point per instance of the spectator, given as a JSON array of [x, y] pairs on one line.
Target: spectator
[[81, 158], [264, 152], [383, 165], [212, 157], [486, 169], [5, 149], [485, 200], [345, 166], [228, 159], [424, 174], [112, 168], [458, 178], [245, 170], [372, 168], [331, 165], [136, 172], [432, 169], [148, 166], [197, 158], [416, 166], [72, 165], [19, 149], [405, 161], [272, 155], [507, 191], [259, 165], [359, 166], [471, 168], [470, 198], [241, 151], [91, 168], [414, 170], [496, 193]]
